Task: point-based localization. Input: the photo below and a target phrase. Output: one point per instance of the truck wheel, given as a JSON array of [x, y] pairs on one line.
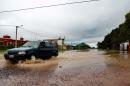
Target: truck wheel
[[46, 57], [14, 61], [56, 54], [29, 57]]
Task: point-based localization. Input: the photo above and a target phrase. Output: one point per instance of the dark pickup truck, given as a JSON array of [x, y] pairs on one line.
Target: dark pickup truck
[[39, 49]]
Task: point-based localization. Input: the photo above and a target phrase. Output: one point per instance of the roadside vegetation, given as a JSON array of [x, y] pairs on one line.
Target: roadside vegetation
[[80, 46], [117, 36], [2, 48]]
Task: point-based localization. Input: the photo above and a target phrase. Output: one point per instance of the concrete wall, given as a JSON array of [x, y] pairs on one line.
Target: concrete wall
[[124, 46]]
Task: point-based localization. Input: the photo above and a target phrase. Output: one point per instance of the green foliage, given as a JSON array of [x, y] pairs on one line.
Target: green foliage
[[117, 36], [6, 47], [82, 46]]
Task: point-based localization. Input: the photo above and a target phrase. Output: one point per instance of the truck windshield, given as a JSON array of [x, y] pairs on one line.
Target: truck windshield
[[33, 44]]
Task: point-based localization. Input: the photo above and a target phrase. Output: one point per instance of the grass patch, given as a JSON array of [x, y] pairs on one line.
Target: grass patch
[[2, 51]]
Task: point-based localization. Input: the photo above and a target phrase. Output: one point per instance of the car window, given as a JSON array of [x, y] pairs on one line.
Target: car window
[[42, 45], [49, 45], [33, 44], [46, 45]]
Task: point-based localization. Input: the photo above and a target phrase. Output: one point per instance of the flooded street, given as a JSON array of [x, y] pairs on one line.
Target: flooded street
[[70, 68]]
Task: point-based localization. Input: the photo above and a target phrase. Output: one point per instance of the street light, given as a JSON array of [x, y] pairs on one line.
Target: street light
[[16, 44]]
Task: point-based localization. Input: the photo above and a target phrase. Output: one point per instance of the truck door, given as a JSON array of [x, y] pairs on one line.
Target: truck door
[[43, 50]]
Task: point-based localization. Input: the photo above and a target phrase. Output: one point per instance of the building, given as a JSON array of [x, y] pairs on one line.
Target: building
[[6, 40], [59, 43], [125, 46]]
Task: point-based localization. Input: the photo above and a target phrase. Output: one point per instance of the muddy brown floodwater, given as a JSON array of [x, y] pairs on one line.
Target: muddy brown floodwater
[[70, 68]]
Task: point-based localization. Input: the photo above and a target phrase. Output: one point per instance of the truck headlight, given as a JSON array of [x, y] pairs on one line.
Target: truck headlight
[[22, 52]]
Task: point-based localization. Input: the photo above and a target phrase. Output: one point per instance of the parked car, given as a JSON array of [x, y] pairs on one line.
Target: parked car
[[39, 49]]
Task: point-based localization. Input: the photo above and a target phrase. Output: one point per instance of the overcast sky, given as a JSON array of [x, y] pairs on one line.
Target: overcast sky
[[86, 22]]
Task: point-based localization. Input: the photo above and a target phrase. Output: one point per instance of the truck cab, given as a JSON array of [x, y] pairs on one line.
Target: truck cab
[[39, 49]]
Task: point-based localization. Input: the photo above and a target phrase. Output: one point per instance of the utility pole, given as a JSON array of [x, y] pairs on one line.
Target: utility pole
[[16, 42]]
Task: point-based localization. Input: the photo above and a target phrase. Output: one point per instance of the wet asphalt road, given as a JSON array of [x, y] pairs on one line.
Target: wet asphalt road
[[70, 68]]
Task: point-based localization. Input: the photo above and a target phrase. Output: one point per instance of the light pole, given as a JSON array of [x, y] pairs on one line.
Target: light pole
[[16, 44], [16, 41]]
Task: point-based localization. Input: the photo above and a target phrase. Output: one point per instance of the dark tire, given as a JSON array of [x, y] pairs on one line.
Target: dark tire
[[29, 57], [24, 59], [46, 57], [14, 61], [56, 54]]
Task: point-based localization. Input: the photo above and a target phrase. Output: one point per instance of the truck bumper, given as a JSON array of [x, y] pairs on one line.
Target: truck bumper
[[11, 57]]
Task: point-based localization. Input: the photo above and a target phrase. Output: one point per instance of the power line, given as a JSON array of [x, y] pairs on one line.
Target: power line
[[47, 6], [29, 31], [34, 33], [8, 25]]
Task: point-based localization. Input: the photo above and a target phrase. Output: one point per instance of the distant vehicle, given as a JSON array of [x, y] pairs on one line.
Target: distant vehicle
[[39, 49]]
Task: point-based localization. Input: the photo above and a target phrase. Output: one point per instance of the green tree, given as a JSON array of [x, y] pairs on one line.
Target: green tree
[[117, 36], [82, 46]]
